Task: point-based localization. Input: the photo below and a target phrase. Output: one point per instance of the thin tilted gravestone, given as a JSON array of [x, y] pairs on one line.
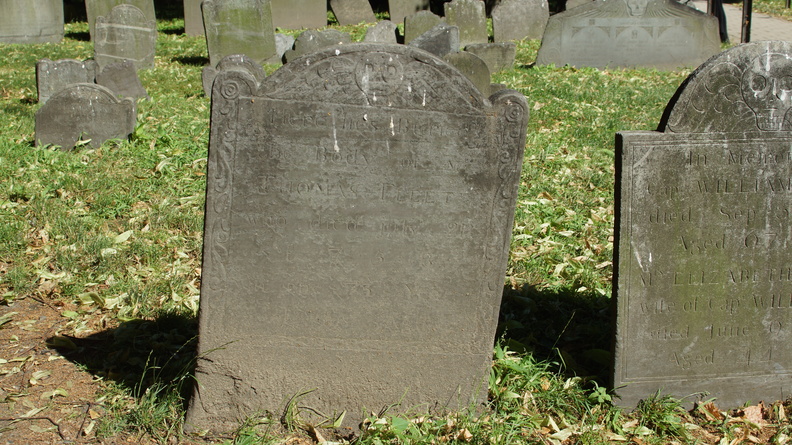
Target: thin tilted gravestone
[[239, 27], [55, 75], [98, 8], [352, 12], [312, 40], [471, 18], [384, 31], [703, 280], [299, 14], [440, 40], [662, 34], [473, 67], [26, 21], [193, 18], [125, 34], [358, 218], [519, 19], [399, 9], [498, 56], [419, 23], [84, 112], [122, 79]]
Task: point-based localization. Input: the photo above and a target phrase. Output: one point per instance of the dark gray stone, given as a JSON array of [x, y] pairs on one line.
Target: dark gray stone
[[352, 12], [26, 21], [399, 9], [99, 8], [497, 56], [283, 43], [312, 41], [519, 19], [193, 19], [236, 62], [472, 67], [440, 40], [239, 27], [122, 79], [419, 23], [470, 17], [384, 31], [55, 75], [377, 174], [125, 34], [299, 14], [662, 34], [704, 288], [81, 112]]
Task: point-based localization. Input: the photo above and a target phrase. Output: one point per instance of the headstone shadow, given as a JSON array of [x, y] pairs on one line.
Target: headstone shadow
[[191, 60], [82, 36]]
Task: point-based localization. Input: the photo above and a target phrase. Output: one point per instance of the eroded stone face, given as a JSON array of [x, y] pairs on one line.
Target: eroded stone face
[[382, 171], [767, 89]]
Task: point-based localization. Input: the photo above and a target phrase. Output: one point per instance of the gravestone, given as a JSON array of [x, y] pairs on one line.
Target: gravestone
[[55, 75], [238, 62], [662, 34], [384, 31], [352, 12], [386, 182], [419, 23], [299, 14], [470, 17], [98, 8], [283, 43], [519, 19], [498, 56], [399, 9], [125, 34], [25, 21], [122, 79], [440, 40], [472, 67], [703, 281], [193, 18], [84, 112], [239, 27], [311, 40]]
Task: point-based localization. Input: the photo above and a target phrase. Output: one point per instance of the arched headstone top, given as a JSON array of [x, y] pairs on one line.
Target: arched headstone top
[[744, 89], [379, 75]]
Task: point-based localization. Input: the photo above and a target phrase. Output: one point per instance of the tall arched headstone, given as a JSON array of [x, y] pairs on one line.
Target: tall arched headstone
[[703, 281], [26, 21], [358, 217], [99, 8], [125, 34]]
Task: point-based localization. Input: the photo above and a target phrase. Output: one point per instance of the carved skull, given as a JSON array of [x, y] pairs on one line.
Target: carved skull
[[637, 8], [767, 88]]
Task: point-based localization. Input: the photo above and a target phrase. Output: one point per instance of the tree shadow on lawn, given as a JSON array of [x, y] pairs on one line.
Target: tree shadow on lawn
[[564, 327]]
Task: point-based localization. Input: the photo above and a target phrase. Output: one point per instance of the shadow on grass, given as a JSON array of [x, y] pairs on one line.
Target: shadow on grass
[[191, 60], [82, 36]]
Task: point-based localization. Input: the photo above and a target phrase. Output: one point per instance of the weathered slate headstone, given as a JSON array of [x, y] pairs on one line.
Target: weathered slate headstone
[[384, 31], [311, 40], [55, 75], [418, 23], [440, 40], [662, 34], [704, 283], [239, 27], [122, 79], [235, 62], [399, 9], [84, 111], [519, 19], [193, 18], [472, 67], [125, 34], [498, 56], [25, 21], [383, 172], [99, 8], [352, 12], [299, 14], [283, 43], [470, 17]]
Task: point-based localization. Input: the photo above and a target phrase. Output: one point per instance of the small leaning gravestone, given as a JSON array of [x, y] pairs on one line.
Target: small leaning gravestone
[[703, 280], [358, 217], [55, 75]]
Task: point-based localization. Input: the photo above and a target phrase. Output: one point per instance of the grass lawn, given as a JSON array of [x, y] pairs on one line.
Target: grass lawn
[[100, 267]]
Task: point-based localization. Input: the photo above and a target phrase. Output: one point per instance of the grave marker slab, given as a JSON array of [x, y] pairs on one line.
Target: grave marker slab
[[440, 40], [55, 75], [352, 12], [193, 18], [419, 23], [662, 34], [122, 79], [312, 40], [399, 9], [125, 34], [84, 111], [299, 14], [472, 67], [99, 8], [703, 281], [519, 19], [239, 27], [25, 21], [384, 31], [238, 62], [382, 171], [498, 56], [470, 17]]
